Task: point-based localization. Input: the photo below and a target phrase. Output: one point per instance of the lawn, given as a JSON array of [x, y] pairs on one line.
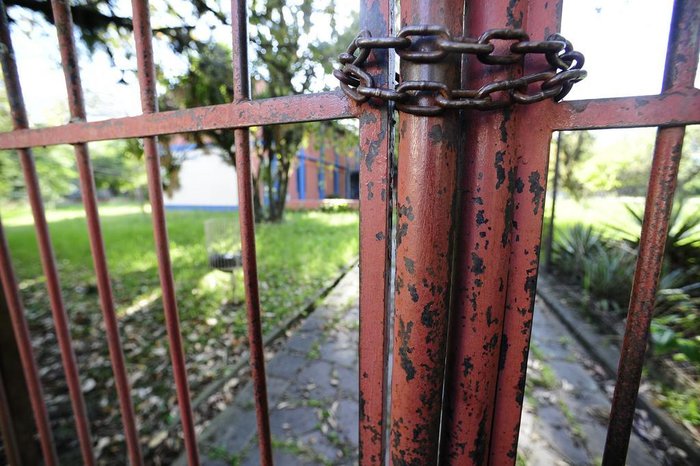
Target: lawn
[[296, 259], [606, 213]]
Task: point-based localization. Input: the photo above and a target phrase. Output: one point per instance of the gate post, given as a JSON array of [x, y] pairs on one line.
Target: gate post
[[426, 203], [489, 183]]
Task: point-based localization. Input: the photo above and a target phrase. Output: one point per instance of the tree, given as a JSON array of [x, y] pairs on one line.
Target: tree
[[574, 152], [281, 66], [287, 58], [117, 167], [54, 165]]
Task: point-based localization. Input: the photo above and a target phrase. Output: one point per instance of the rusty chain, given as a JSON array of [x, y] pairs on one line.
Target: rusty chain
[[433, 97]]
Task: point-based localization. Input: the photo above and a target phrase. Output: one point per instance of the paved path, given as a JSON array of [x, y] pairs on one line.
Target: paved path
[[313, 392]]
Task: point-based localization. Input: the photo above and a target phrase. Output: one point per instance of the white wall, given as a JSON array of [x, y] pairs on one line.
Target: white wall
[[205, 181]]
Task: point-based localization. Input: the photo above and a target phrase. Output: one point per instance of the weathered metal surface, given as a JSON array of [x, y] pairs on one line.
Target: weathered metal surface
[[17, 417], [76, 104], [426, 203], [48, 262], [681, 107], [9, 439], [376, 149], [24, 346], [681, 66], [532, 155], [501, 192], [60, 317], [489, 180], [146, 75], [561, 71], [241, 82], [290, 109]]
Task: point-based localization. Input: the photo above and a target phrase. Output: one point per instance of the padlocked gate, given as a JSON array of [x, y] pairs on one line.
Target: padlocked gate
[[475, 105]]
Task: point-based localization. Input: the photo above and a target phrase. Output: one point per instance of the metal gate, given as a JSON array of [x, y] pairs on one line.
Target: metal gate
[[472, 170]]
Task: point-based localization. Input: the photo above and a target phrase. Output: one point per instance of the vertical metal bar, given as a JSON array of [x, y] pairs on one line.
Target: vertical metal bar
[[149, 104], [76, 103], [426, 202], [24, 343], [532, 147], [9, 439], [681, 66], [376, 160], [488, 183], [552, 212], [20, 417], [241, 92], [19, 117]]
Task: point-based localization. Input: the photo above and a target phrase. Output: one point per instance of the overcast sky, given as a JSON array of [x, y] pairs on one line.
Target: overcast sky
[[624, 42]]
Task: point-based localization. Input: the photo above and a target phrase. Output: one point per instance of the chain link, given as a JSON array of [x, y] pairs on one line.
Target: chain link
[[433, 43]]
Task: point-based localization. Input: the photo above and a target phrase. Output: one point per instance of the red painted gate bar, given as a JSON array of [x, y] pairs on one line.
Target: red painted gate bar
[[531, 159], [149, 104], [21, 332], [476, 175], [426, 205], [376, 165], [241, 93], [681, 67], [48, 262], [487, 184], [76, 103]]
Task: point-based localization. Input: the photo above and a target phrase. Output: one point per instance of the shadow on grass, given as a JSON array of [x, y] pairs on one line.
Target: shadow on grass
[[295, 259]]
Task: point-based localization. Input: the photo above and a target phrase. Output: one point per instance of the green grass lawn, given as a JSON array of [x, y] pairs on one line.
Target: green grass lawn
[[606, 213], [296, 259]]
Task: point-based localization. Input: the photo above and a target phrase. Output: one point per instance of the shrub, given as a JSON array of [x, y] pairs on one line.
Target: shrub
[[572, 246], [682, 249], [607, 275]]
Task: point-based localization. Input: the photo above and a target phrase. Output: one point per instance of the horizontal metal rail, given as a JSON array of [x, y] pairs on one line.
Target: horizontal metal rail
[[279, 110], [679, 107]]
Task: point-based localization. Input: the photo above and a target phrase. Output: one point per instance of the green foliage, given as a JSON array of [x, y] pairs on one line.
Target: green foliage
[[55, 168], [574, 151], [688, 179], [207, 81], [571, 248], [287, 59], [603, 267], [682, 249], [622, 165], [117, 166], [339, 206], [607, 275], [683, 404]]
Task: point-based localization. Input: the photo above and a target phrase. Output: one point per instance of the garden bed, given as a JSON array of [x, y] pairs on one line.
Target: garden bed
[[603, 343]]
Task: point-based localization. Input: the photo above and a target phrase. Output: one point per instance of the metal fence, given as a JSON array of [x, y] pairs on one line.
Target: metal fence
[[465, 288]]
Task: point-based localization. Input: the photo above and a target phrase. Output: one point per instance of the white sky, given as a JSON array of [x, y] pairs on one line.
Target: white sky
[[624, 42]]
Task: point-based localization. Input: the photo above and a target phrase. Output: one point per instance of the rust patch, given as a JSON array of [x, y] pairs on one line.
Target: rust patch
[[500, 169], [537, 190], [413, 292], [410, 265], [478, 266], [405, 349]]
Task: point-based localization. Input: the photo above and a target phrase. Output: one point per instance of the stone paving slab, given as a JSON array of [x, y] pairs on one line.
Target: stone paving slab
[[313, 394]]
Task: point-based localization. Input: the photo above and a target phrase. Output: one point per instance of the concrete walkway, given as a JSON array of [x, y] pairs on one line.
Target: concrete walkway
[[313, 393]]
